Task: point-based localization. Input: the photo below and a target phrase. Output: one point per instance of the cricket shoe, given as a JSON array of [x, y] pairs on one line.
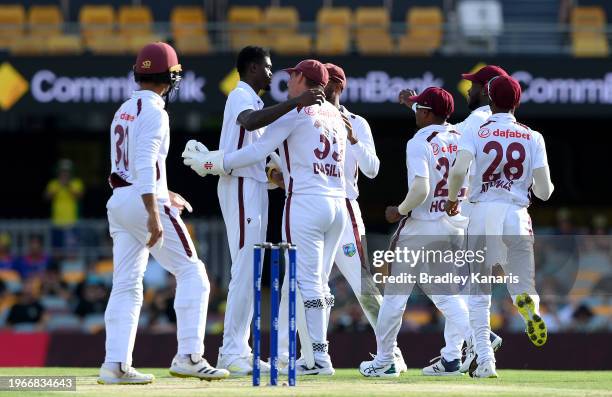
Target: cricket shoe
[[536, 328], [321, 367], [485, 370], [400, 364], [195, 366], [371, 369], [441, 367], [237, 365], [120, 374], [470, 351]]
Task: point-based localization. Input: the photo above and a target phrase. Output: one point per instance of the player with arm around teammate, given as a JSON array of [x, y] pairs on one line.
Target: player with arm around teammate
[[423, 223], [510, 161], [144, 219], [312, 143], [243, 197]]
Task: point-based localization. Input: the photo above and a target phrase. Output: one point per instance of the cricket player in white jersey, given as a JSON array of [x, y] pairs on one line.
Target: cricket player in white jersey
[[510, 162], [478, 102], [143, 217], [424, 223], [312, 143], [351, 256], [243, 197]]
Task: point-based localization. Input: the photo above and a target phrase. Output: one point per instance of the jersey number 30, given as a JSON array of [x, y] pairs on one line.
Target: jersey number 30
[[121, 146]]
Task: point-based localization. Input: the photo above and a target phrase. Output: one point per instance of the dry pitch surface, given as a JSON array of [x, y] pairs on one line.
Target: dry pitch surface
[[346, 382]]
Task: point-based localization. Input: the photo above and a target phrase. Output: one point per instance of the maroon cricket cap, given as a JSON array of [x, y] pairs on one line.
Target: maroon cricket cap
[[336, 74], [438, 99], [484, 74], [312, 69], [157, 58], [505, 92]]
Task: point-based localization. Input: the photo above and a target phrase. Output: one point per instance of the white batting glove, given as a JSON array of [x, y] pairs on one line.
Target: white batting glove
[[205, 163], [194, 146]]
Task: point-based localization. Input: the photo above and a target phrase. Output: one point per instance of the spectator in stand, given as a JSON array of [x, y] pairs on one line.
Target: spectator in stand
[[92, 296], [7, 261], [53, 285], [28, 310], [65, 193], [161, 310], [35, 261]]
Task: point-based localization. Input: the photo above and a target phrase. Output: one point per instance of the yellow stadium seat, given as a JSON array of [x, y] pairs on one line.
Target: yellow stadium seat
[[591, 47], [12, 23], [45, 20], [281, 21], [96, 21], [334, 44], [73, 277], [245, 27], [334, 18], [135, 21], [9, 276], [333, 30], [64, 45], [193, 45], [588, 32], [297, 44], [373, 31], [375, 44], [424, 30], [372, 21], [108, 45], [188, 21], [28, 45], [104, 266]]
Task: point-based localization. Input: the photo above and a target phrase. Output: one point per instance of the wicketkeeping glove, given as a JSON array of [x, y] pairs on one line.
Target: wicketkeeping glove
[[194, 146], [205, 163]]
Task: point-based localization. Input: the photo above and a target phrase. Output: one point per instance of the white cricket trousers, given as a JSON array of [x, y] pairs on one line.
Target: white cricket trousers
[[350, 257], [244, 205], [315, 225], [127, 220], [414, 235], [506, 230]]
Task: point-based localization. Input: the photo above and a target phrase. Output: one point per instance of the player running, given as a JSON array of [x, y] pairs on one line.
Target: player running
[[144, 217], [478, 103], [312, 141], [243, 197], [509, 162], [423, 223]]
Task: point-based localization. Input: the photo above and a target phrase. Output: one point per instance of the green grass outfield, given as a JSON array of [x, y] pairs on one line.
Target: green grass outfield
[[346, 382]]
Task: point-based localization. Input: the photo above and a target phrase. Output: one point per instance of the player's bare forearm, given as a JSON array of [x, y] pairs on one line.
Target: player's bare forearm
[[150, 202], [254, 119]]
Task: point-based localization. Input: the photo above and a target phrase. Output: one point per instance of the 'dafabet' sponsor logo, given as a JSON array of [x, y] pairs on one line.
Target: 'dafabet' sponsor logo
[[12, 86]]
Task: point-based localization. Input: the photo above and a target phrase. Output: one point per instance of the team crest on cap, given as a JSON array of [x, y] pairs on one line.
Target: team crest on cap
[[349, 249], [146, 64]]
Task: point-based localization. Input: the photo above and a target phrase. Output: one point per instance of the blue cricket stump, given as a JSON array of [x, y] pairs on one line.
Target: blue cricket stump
[[276, 249]]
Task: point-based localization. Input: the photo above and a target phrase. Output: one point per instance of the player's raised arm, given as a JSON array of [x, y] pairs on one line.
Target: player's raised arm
[[364, 149], [274, 136], [254, 119]]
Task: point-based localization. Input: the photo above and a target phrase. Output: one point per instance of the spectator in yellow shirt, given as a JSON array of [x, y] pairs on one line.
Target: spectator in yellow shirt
[[64, 192]]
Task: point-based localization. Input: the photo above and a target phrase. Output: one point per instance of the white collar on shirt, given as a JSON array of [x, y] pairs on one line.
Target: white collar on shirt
[[433, 127], [484, 108], [503, 117], [149, 94], [249, 89]]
